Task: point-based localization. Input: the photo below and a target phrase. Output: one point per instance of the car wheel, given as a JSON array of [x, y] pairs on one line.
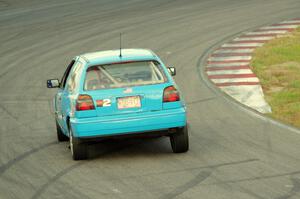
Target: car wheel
[[78, 149], [61, 137], [180, 140]]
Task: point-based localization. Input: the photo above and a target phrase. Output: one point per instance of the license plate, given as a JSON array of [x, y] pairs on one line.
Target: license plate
[[129, 102]]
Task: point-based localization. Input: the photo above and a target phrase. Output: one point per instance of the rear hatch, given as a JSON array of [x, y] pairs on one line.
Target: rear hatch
[[126, 87], [128, 100]]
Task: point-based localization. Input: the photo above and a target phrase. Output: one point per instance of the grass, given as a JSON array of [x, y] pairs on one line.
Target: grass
[[277, 65]]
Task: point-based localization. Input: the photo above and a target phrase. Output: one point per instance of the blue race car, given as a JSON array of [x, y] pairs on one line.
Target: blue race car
[[118, 93]]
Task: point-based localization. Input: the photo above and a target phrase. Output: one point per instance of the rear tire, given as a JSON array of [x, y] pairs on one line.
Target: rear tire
[[78, 149], [61, 137], [180, 140]]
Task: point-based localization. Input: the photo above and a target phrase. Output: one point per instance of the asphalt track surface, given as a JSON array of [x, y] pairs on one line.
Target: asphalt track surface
[[233, 153]]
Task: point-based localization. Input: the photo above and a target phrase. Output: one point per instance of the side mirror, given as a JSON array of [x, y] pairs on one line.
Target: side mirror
[[53, 83], [172, 70]]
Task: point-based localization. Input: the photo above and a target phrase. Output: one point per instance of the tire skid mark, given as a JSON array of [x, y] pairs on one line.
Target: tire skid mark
[[5, 110], [202, 176], [32, 54], [53, 49], [22, 156], [9, 113], [11, 37], [199, 168], [15, 182], [87, 37], [68, 43], [65, 171], [256, 178], [239, 188], [73, 190], [242, 190], [4, 4], [25, 124], [23, 100], [40, 8], [26, 50], [250, 193], [12, 162], [268, 149]]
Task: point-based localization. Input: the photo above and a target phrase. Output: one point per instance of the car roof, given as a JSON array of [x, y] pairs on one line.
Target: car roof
[[112, 56]]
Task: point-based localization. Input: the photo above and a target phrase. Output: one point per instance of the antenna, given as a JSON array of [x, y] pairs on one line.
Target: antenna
[[120, 45]]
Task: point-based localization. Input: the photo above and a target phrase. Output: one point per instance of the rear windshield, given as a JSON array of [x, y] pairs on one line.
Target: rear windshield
[[124, 75]]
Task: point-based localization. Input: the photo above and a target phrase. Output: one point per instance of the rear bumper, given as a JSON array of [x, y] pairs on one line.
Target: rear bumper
[[97, 127]]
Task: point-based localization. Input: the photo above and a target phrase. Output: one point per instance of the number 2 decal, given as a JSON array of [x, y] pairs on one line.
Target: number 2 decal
[[106, 102]]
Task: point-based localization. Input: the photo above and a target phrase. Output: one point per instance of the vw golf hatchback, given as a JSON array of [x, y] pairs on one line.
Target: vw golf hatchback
[[117, 93]]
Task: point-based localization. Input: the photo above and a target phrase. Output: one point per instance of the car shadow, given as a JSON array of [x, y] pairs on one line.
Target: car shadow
[[129, 147]]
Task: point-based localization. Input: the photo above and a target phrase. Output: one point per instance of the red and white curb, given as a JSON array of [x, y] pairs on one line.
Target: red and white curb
[[228, 67]]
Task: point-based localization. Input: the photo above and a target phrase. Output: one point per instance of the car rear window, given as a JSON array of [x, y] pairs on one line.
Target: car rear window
[[124, 75]]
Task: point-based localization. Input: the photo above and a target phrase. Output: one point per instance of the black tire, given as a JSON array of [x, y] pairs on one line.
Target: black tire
[[180, 140], [78, 149], [61, 137]]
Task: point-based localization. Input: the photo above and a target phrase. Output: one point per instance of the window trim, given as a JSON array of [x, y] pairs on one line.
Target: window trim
[[66, 74], [76, 72]]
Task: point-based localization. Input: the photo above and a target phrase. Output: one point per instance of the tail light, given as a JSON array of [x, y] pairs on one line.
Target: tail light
[[171, 94], [84, 102]]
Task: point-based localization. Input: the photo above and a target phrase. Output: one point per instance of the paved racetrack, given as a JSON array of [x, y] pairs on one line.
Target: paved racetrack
[[233, 154]]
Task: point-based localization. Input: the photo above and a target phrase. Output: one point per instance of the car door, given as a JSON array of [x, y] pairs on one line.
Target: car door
[[58, 97]]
